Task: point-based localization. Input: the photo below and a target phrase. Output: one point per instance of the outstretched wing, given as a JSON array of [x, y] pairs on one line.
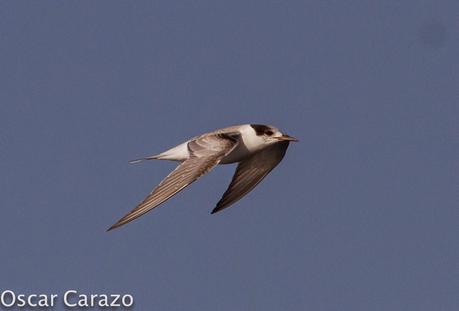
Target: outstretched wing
[[250, 172], [206, 152]]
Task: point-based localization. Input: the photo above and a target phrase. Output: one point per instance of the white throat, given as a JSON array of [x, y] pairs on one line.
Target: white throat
[[251, 140]]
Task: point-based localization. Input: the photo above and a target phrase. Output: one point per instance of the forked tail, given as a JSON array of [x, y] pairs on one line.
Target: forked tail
[[135, 161]]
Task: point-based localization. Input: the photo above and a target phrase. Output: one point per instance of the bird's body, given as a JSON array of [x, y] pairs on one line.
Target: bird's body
[[249, 143], [257, 148]]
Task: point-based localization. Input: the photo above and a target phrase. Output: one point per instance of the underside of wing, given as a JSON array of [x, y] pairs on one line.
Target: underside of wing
[[250, 172], [206, 153]]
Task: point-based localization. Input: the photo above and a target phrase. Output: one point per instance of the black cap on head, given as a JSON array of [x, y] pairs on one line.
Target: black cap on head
[[260, 129]]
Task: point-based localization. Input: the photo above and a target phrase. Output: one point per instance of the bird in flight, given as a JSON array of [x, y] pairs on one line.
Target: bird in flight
[[257, 148]]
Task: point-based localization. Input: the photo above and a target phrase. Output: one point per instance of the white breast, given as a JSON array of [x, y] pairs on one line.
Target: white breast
[[249, 144]]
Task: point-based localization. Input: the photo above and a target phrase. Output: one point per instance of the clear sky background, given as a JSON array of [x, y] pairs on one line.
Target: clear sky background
[[362, 214]]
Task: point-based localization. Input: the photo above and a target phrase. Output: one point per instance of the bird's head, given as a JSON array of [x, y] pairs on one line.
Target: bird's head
[[270, 134]]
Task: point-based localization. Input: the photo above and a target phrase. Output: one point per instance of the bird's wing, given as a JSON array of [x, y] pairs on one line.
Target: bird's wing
[[206, 152], [250, 172]]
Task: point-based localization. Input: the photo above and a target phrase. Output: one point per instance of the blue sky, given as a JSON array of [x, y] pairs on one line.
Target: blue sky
[[361, 214]]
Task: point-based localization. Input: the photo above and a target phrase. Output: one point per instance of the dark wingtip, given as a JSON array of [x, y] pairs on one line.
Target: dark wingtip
[[114, 226], [216, 209]]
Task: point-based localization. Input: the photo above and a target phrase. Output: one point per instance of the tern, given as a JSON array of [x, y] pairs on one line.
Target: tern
[[257, 148]]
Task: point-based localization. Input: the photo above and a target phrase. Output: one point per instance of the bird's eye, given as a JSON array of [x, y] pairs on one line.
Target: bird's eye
[[269, 133]]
